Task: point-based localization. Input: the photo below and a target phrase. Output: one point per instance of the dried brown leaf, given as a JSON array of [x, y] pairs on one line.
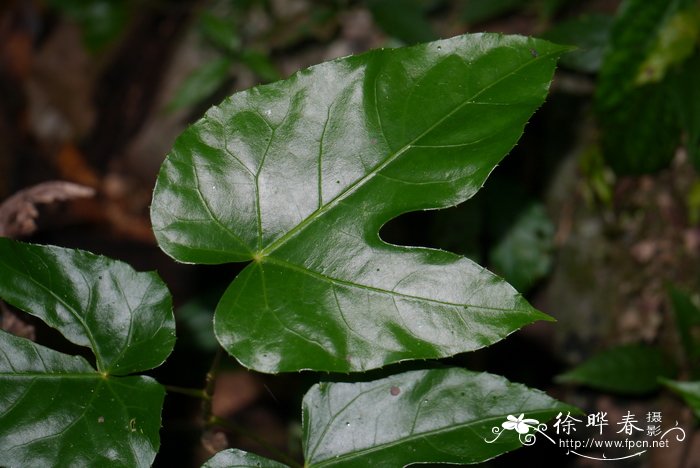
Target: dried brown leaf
[[19, 212]]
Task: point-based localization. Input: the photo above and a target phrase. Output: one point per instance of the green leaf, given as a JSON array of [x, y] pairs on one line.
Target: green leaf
[[590, 33], [687, 324], [56, 409], [402, 19], [201, 84], [234, 458], [123, 316], [689, 391], [630, 370], [640, 127], [438, 415], [524, 255], [300, 175]]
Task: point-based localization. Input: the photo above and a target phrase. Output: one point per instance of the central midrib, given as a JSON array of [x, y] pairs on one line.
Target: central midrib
[[341, 282], [280, 241]]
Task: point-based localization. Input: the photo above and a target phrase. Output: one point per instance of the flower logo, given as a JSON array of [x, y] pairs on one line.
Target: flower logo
[[520, 424]]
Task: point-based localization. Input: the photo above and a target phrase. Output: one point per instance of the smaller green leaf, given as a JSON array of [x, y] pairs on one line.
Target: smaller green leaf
[[234, 458], [424, 416], [402, 19], [524, 255], [56, 409], [201, 84], [590, 33], [630, 370], [123, 316], [687, 323], [689, 391]]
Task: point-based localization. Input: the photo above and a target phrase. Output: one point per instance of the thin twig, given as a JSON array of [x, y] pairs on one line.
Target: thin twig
[[193, 392], [210, 384], [19, 212]]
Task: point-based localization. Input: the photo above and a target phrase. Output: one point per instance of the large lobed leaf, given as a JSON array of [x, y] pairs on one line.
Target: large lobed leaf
[[300, 175], [56, 409]]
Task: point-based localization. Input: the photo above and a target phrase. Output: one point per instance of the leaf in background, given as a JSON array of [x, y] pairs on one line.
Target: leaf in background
[[478, 11], [640, 128], [260, 64], [690, 391], [194, 321], [300, 175], [629, 370], [101, 21], [675, 41], [590, 33], [686, 97], [438, 416], [56, 409], [201, 84], [221, 32], [235, 458], [524, 255], [687, 324], [402, 19]]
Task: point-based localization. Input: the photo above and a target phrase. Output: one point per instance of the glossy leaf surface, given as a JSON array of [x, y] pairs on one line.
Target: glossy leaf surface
[[125, 317], [56, 409], [629, 370], [438, 415], [234, 458], [300, 175]]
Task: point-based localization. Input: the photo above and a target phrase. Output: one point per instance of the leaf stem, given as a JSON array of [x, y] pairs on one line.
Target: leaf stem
[[193, 392], [210, 384]]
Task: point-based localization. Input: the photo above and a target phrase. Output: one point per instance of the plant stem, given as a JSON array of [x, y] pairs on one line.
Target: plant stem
[[217, 421], [193, 392], [209, 385], [213, 420]]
